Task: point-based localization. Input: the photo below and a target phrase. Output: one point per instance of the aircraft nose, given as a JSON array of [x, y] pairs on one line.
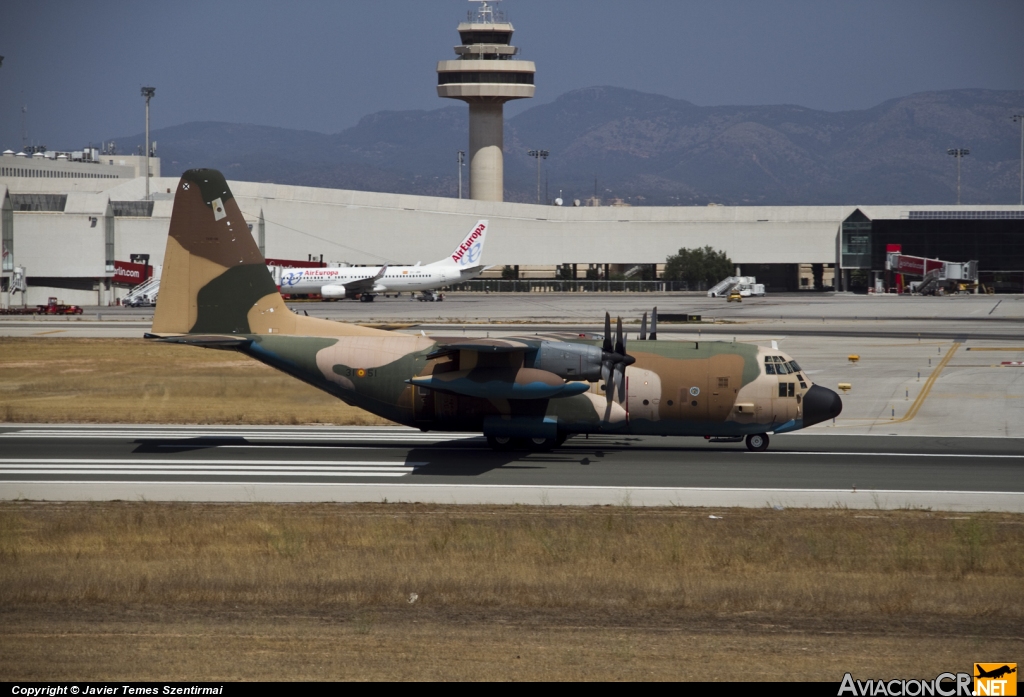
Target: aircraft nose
[[820, 404]]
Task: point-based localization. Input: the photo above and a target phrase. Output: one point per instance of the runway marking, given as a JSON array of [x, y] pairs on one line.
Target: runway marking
[[407, 436], [154, 461], [815, 452], [217, 473], [232, 468]]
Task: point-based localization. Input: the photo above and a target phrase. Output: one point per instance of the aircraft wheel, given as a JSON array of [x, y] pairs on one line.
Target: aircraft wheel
[[500, 443], [757, 442], [540, 445]]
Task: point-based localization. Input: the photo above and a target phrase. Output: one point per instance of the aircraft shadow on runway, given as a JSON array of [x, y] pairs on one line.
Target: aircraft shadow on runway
[[458, 458], [183, 445]]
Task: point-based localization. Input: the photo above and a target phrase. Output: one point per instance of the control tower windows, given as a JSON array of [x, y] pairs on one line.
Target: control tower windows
[[501, 38], [506, 78]]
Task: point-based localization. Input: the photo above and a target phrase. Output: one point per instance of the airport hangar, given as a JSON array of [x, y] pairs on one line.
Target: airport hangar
[[69, 224]]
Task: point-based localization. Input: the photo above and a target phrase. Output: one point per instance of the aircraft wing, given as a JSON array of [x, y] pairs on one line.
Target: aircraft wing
[[364, 285], [481, 346], [502, 383], [215, 341], [545, 370]]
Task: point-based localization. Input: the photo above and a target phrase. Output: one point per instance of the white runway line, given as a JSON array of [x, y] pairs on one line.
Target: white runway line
[[224, 468], [353, 472], [815, 452], [403, 436]]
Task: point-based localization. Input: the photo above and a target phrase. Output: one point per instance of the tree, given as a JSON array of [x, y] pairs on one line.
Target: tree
[[698, 268]]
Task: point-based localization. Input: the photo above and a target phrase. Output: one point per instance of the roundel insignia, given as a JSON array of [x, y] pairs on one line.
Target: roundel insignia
[[361, 373], [694, 391]]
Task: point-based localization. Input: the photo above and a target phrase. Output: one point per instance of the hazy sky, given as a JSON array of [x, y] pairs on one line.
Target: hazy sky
[[322, 65]]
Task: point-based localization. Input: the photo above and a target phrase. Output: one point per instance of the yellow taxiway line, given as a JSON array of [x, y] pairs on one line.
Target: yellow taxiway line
[[923, 394]]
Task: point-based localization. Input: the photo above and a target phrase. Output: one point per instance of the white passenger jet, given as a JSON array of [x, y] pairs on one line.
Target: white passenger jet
[[365, 282]]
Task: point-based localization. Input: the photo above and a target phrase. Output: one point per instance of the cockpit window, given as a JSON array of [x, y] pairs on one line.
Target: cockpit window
[[769, 368], [794, 367], [782, 368]]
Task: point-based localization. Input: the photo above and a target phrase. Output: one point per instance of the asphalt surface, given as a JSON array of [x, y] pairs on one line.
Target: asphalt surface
[[964, 317], [358, 464]]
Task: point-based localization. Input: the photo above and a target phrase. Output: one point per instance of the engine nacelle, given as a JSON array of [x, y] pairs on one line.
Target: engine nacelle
[[332, 292], [569, 361]]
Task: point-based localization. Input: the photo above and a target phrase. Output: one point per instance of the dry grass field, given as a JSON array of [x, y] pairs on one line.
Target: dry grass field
[[52, 380], [394, 591]]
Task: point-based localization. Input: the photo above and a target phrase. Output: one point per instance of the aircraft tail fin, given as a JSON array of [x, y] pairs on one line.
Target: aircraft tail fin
[[471, 249], [215, 281]]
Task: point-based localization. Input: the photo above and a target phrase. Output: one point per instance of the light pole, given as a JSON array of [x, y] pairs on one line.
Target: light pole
[[959, 154], [1020, 117], [462, 161], [148, 93], [537, 155]]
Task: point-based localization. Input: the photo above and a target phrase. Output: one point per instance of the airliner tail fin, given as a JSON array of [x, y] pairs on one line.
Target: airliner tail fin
[[470, 250]]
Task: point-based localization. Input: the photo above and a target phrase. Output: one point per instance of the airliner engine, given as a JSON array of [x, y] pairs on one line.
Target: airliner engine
[[332, 292]]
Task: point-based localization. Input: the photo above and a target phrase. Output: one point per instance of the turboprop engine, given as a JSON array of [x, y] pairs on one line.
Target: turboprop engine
[[333, 292], [569, 361]]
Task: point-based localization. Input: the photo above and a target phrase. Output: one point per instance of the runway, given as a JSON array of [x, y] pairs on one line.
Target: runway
[[287, 464]]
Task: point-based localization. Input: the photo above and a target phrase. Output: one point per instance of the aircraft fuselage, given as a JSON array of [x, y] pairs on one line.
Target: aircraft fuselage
[[395, 278], [705, 388]]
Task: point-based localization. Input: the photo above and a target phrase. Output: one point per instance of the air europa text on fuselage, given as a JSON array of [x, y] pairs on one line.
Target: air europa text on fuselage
[[464, 247]]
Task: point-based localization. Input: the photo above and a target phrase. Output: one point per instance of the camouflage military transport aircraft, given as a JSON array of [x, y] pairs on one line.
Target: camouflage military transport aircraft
[[524, 393]]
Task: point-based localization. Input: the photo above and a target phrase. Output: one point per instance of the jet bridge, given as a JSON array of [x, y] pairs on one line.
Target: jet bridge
[[936, 275]]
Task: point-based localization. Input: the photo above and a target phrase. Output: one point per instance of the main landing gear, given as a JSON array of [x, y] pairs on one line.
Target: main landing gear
[[537, 445], [757, 442]]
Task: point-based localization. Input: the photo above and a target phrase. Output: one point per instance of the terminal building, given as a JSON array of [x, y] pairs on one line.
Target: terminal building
[[71, 242], [79, 225]]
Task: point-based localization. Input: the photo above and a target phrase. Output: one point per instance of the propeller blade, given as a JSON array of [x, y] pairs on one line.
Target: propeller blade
[[620, 342], [619, 378], [654, 324], [607, 347], [643, 328], [606, 377]]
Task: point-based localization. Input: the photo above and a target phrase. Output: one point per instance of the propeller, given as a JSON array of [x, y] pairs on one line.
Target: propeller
[[654, 324], [643, 328], [614, 362]]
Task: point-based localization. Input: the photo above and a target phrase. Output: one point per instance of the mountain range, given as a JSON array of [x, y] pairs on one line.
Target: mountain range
[[647, 149]]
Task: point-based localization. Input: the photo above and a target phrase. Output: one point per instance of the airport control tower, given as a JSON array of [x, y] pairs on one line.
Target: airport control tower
[[485, 76]]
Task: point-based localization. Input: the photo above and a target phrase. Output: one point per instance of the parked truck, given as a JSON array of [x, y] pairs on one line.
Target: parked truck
[[52, 307]]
